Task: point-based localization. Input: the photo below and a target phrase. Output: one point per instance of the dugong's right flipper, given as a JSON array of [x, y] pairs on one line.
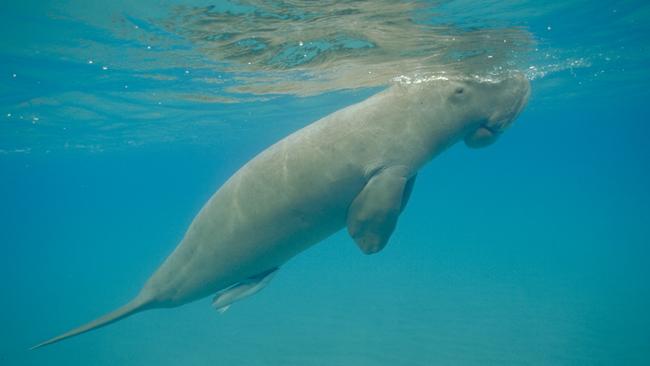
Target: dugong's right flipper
[[373, 214]]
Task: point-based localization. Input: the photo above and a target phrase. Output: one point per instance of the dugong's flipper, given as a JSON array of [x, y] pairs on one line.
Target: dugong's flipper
[[373, 213], [250, 286]]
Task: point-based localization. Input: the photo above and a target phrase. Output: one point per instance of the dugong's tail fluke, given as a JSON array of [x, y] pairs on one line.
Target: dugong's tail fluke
[[130, 308]]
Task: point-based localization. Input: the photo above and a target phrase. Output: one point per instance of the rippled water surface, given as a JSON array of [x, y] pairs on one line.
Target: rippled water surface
[[119, 119]]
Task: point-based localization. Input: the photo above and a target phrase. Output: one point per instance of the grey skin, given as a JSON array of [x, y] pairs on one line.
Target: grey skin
[[354, 168]]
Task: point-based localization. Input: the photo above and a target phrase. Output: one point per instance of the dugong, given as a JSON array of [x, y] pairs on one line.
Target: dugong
[[354, 168]]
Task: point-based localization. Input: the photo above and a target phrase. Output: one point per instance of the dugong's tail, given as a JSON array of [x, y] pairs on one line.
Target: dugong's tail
[[136, 305]]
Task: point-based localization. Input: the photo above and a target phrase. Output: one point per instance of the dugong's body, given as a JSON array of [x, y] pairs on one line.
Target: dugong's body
[[354, 168]]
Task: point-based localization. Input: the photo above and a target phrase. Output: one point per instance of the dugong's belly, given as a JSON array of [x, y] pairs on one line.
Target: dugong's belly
[[286, 199]]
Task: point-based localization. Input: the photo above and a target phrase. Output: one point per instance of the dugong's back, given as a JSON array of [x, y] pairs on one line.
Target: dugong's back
[[289, 197]]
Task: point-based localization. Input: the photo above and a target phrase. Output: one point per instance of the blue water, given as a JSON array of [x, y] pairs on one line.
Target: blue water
[[533, 251]]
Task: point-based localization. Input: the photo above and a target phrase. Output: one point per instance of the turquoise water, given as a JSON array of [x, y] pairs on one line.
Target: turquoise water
[[119, 121]]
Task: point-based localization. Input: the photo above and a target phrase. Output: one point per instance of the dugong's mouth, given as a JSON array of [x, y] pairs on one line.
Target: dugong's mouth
[[501, 120], [489, 130], [482, 136], [493, 130]]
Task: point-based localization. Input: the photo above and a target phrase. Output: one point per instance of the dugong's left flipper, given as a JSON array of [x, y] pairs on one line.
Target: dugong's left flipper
[[373, 214], [250, 286]]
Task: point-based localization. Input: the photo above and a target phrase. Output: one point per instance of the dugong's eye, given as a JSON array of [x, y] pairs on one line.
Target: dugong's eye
[[459, 90]]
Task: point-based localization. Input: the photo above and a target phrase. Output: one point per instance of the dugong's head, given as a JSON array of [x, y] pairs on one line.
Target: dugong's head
[[488, 107]]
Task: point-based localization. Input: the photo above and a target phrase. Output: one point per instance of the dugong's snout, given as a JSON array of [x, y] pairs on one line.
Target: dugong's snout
[[505, 100], [512, 98]]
